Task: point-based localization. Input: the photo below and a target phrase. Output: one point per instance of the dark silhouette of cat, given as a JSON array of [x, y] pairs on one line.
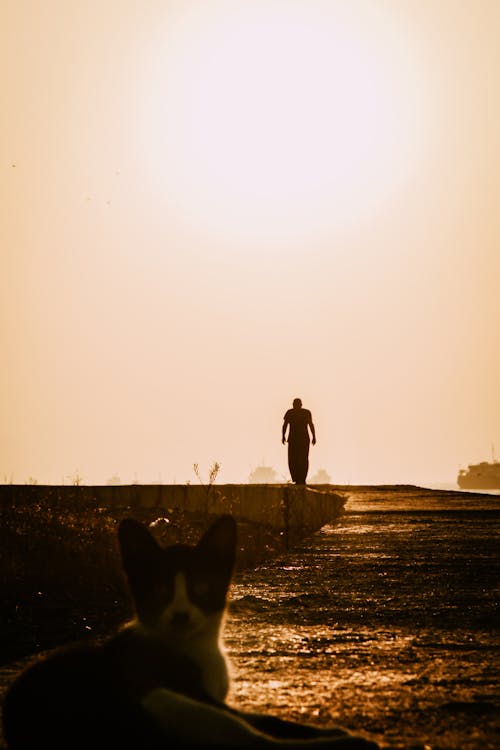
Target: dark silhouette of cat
[[162, 680]]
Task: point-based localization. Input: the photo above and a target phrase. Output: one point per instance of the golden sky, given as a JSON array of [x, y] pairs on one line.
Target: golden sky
[[210, 207]]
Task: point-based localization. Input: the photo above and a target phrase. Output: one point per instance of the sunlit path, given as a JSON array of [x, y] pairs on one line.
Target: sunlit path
[[386, 620]]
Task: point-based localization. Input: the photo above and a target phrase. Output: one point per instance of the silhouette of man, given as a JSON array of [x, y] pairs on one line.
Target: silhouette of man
[[299, 421]]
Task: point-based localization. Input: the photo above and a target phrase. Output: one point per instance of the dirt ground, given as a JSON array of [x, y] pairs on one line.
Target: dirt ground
[[385, 622]]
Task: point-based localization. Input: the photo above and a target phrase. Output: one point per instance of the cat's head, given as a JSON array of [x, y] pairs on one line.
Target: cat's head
[[181, 589]]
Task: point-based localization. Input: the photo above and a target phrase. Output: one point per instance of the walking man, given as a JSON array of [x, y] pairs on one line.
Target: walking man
[[299, 421]]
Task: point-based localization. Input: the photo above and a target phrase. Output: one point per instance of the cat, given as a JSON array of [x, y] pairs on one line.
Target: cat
[[161, 681]]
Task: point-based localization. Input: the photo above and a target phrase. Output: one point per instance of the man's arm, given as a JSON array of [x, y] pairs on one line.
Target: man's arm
[[311, 427]]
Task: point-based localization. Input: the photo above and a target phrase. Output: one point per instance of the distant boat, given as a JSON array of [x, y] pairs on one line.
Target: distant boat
[[482, 476]]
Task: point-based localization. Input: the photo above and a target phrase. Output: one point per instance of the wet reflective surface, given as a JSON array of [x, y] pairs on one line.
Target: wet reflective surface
[[385, 622]]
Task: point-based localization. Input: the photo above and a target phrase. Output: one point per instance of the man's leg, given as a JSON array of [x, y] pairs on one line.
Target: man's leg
[[292, 460], [300, 453]]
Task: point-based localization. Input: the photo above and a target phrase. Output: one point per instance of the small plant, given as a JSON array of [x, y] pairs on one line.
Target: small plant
[[212, 474], [76, 478]]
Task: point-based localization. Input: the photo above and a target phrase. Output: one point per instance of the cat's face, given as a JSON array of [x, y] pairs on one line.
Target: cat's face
[[179, 589]]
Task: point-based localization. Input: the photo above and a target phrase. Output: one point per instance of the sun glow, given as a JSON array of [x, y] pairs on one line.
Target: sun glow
[[282, 118]]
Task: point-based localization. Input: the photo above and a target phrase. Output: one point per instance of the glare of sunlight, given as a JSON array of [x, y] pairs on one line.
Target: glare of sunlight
[[282, 118]]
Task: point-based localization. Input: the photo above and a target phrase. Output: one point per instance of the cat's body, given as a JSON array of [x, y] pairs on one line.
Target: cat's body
[[163, 679]]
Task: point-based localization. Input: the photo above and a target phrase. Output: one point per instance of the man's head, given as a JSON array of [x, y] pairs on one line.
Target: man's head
[[297, 403]]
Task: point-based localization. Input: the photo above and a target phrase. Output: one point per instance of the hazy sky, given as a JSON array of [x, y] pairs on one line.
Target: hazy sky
[[208, 208]]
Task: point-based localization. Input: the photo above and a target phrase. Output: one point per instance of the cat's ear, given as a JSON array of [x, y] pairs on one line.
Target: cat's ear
[[139, 550], [218, 543]]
